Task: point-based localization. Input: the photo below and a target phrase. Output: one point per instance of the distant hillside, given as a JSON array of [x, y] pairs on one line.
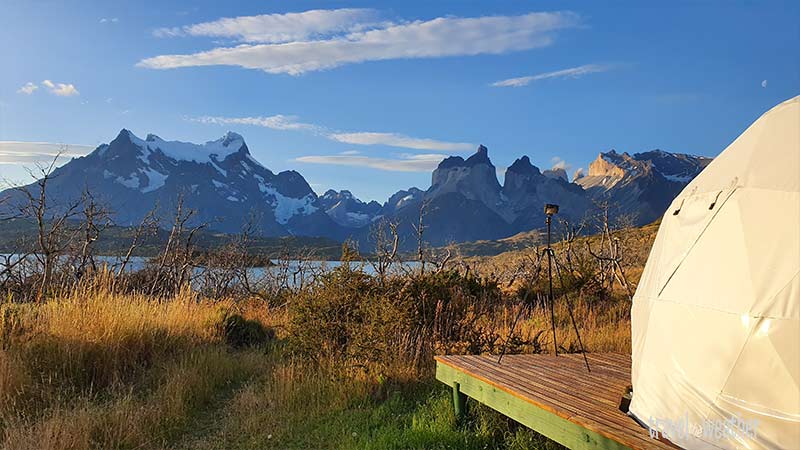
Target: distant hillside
[[635, 244], [19, 236]]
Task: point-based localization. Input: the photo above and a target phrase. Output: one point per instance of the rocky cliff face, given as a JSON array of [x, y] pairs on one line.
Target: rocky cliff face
[[475, 178], [527, 190], [643, 185]]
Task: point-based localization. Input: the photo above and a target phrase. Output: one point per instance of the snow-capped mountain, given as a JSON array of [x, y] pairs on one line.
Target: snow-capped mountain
[[401, 200], [219, 179], [227, 188], [348, 211]]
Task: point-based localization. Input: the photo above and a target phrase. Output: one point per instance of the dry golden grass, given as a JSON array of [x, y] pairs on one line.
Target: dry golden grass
[[97, 369]]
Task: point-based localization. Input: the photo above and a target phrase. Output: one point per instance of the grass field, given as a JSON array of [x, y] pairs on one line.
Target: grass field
[[111, 371], [345, 363]]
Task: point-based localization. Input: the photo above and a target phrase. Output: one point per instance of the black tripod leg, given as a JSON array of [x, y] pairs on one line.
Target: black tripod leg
[[572, 316], [525, 306]]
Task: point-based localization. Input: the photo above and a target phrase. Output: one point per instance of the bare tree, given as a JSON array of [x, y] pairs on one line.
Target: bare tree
[[95, 219], [609, 256], [53, 234], [419, 229], [175, 266], [147, 226], [387, 241]]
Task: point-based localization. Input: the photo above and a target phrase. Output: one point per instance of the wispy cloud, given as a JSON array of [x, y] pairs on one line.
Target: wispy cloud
[[573, 72], [21, 152], [559, 163], [109, 20], [28, 88], [61, 89], [406, 163], [276, 122], [287, 52], [399, 140], [287, 122], [279, 28]]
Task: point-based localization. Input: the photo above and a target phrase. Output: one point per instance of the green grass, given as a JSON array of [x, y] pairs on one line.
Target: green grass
[[295, 408]]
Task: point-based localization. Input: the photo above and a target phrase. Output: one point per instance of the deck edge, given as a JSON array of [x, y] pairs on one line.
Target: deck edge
[[530, 414]]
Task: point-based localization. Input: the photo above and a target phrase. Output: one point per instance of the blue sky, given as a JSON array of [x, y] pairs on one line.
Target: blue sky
[[369, 96]]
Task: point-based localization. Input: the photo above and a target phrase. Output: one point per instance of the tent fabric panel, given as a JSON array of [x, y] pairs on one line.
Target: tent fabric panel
[[681, 370], [716, 271], [768, 350]]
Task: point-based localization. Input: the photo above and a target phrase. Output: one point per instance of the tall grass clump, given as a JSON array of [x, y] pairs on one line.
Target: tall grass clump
[[101, 369]]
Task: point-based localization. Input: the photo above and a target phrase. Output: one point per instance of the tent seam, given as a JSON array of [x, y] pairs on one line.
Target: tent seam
[[697, 239]]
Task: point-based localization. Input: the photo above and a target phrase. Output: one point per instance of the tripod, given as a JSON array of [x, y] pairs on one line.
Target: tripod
[[551, 257]]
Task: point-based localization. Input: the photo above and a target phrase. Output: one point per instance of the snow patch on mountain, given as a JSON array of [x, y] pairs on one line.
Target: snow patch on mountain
[[155, 180], [188, 151], [288, 207]]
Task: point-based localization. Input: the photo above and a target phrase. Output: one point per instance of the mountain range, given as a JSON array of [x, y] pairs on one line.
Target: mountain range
[[465, 202]]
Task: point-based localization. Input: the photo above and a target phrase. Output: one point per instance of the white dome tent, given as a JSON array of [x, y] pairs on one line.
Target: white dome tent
[[716, 316]]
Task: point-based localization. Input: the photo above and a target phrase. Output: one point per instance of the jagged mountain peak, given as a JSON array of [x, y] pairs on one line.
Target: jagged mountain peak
[[613, 164], [347, 210], [523, 166], [231, 138], [556, 173], [481, 156]]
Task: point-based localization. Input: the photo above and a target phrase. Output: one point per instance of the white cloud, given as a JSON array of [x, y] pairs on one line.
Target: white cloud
[[276, 122], [60, 89], [407, 163], [278, 28], [559, 163], [399, 140], [764, 84], [286, 122], [21, 152], [112, 20], [28, 88], [574, 72], [443, 36], [350, 152]]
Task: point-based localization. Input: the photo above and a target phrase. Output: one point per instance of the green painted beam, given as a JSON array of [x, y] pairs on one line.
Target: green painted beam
[[566, 433], [459, 402]]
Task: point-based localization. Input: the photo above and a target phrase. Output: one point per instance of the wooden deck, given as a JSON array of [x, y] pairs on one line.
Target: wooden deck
[[554, 395]]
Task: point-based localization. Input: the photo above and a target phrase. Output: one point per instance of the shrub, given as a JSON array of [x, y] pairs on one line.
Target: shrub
[[350, 317], [239, 332]]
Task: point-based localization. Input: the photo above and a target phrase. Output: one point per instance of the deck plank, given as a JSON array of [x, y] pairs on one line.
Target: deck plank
[[559, 386], [580, 406]]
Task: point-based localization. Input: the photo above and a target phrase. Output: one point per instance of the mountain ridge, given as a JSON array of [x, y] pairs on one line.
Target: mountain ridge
[[465, 201]]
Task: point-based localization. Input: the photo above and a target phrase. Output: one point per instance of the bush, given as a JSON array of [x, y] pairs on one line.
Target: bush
[[239, 332], [350, 317]]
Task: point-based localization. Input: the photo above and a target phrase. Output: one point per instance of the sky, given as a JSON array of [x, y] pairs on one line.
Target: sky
[[370, 96]]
